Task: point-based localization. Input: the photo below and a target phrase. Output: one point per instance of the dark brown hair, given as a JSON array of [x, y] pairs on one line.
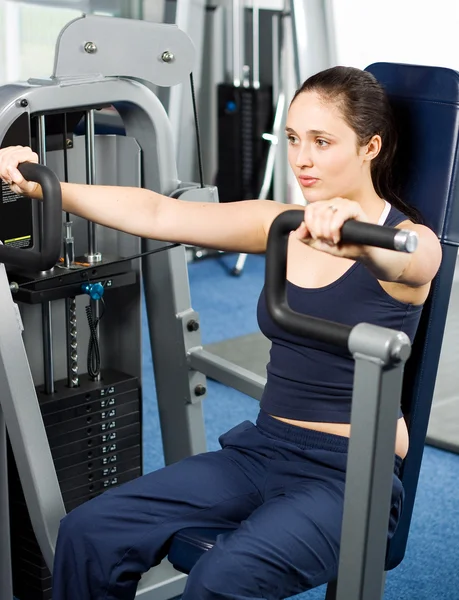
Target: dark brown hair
[[366, 109]]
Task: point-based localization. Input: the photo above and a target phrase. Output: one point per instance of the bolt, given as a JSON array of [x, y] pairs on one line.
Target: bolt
[[200, 390], [69, 143], [192, 325], [167, 56], [24, 103], [90, 48]]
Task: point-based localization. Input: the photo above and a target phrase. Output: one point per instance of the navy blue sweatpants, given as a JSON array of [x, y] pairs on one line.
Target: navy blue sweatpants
[[281, 485]]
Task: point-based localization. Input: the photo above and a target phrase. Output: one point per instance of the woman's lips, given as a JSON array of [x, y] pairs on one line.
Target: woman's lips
[[307, 181]]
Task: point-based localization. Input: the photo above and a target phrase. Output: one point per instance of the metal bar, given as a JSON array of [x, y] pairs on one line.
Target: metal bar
[[240, 263], [274, 138], [93, 255], [370, 467], [299, 33], [6, 582], [280, 174], [227, 372], [48, 353], [256, 44], [276, 72], [70, 303], [311, 38], [238, 43]]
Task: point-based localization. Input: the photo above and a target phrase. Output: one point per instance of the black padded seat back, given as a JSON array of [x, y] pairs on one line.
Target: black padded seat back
[[425, 102]]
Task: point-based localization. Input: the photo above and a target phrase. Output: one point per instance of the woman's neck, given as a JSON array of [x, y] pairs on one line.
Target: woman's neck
[[370, 202]]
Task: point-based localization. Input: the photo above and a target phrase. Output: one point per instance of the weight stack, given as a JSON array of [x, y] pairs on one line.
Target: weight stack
[[244, 115], [94, 432]]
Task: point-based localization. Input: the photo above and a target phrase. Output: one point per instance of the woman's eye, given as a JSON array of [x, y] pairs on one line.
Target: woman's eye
[[322, 143], [291, 139]]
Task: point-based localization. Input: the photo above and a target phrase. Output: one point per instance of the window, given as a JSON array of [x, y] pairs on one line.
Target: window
[[28, 34]]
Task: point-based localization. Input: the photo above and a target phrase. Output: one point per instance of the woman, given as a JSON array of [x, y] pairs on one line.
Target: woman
[[279, 482]]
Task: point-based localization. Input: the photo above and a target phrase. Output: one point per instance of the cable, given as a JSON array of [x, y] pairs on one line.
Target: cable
[[93, 362], [196, 124]]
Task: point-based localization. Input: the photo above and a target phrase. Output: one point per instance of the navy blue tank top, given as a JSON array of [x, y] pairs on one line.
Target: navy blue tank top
[[312, 381]]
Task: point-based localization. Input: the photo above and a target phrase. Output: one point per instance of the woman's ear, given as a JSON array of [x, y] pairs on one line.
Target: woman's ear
[[372, 149]]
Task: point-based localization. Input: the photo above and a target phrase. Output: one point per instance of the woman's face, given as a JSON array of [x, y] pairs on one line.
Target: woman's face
[[323, 151]]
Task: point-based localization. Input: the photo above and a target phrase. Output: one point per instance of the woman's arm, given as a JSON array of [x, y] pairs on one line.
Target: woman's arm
[[414, 270], [235, 226], [321, 230]]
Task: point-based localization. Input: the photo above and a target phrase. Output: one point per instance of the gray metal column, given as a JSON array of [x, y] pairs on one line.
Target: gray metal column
[[26, 430], [6, 582], [168, 303], [48, 352], [93, 255], [312, 37], [190, 18], [380, 356]]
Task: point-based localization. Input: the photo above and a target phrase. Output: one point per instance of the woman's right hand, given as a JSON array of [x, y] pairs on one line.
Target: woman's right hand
[[10, 158]]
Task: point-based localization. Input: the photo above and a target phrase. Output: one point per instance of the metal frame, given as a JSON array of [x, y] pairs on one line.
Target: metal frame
[[380, 355], [6, 582]]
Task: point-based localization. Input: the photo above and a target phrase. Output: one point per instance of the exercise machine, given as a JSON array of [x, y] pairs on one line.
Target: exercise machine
[[426, 101], [85, 386]]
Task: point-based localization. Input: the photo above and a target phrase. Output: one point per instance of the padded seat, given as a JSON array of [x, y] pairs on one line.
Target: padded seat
[[189, 544], [426, 109]]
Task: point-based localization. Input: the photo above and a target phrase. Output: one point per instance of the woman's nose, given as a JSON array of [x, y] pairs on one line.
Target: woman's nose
[[303, 157]]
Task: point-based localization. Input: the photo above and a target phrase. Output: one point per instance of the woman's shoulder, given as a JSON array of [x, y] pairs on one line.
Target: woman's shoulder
[[395, 217]]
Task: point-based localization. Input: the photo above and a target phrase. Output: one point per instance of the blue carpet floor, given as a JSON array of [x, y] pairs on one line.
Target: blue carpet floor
[[227, 308]]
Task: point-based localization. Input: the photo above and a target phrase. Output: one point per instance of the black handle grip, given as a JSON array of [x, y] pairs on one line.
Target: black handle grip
[[276, 275], [276, 287], [48, 255], [368, 234]]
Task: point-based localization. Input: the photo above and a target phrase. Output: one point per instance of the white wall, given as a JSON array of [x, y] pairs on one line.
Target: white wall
[[411, 31]]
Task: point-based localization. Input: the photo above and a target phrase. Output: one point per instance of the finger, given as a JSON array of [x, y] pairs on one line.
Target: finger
[[339, 218], [335, 225], [16, 176], [302, 233], [327, 218], [318, 219], [309, 221], [16, 189]]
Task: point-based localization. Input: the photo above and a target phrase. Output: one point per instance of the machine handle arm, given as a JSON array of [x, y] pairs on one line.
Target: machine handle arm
[[276, 273], [47, 256]]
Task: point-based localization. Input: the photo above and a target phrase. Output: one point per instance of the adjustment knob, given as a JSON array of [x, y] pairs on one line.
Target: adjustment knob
[[94, 290], [192, 325]]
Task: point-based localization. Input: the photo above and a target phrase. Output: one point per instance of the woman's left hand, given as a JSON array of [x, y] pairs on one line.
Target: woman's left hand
[[321, 228]]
